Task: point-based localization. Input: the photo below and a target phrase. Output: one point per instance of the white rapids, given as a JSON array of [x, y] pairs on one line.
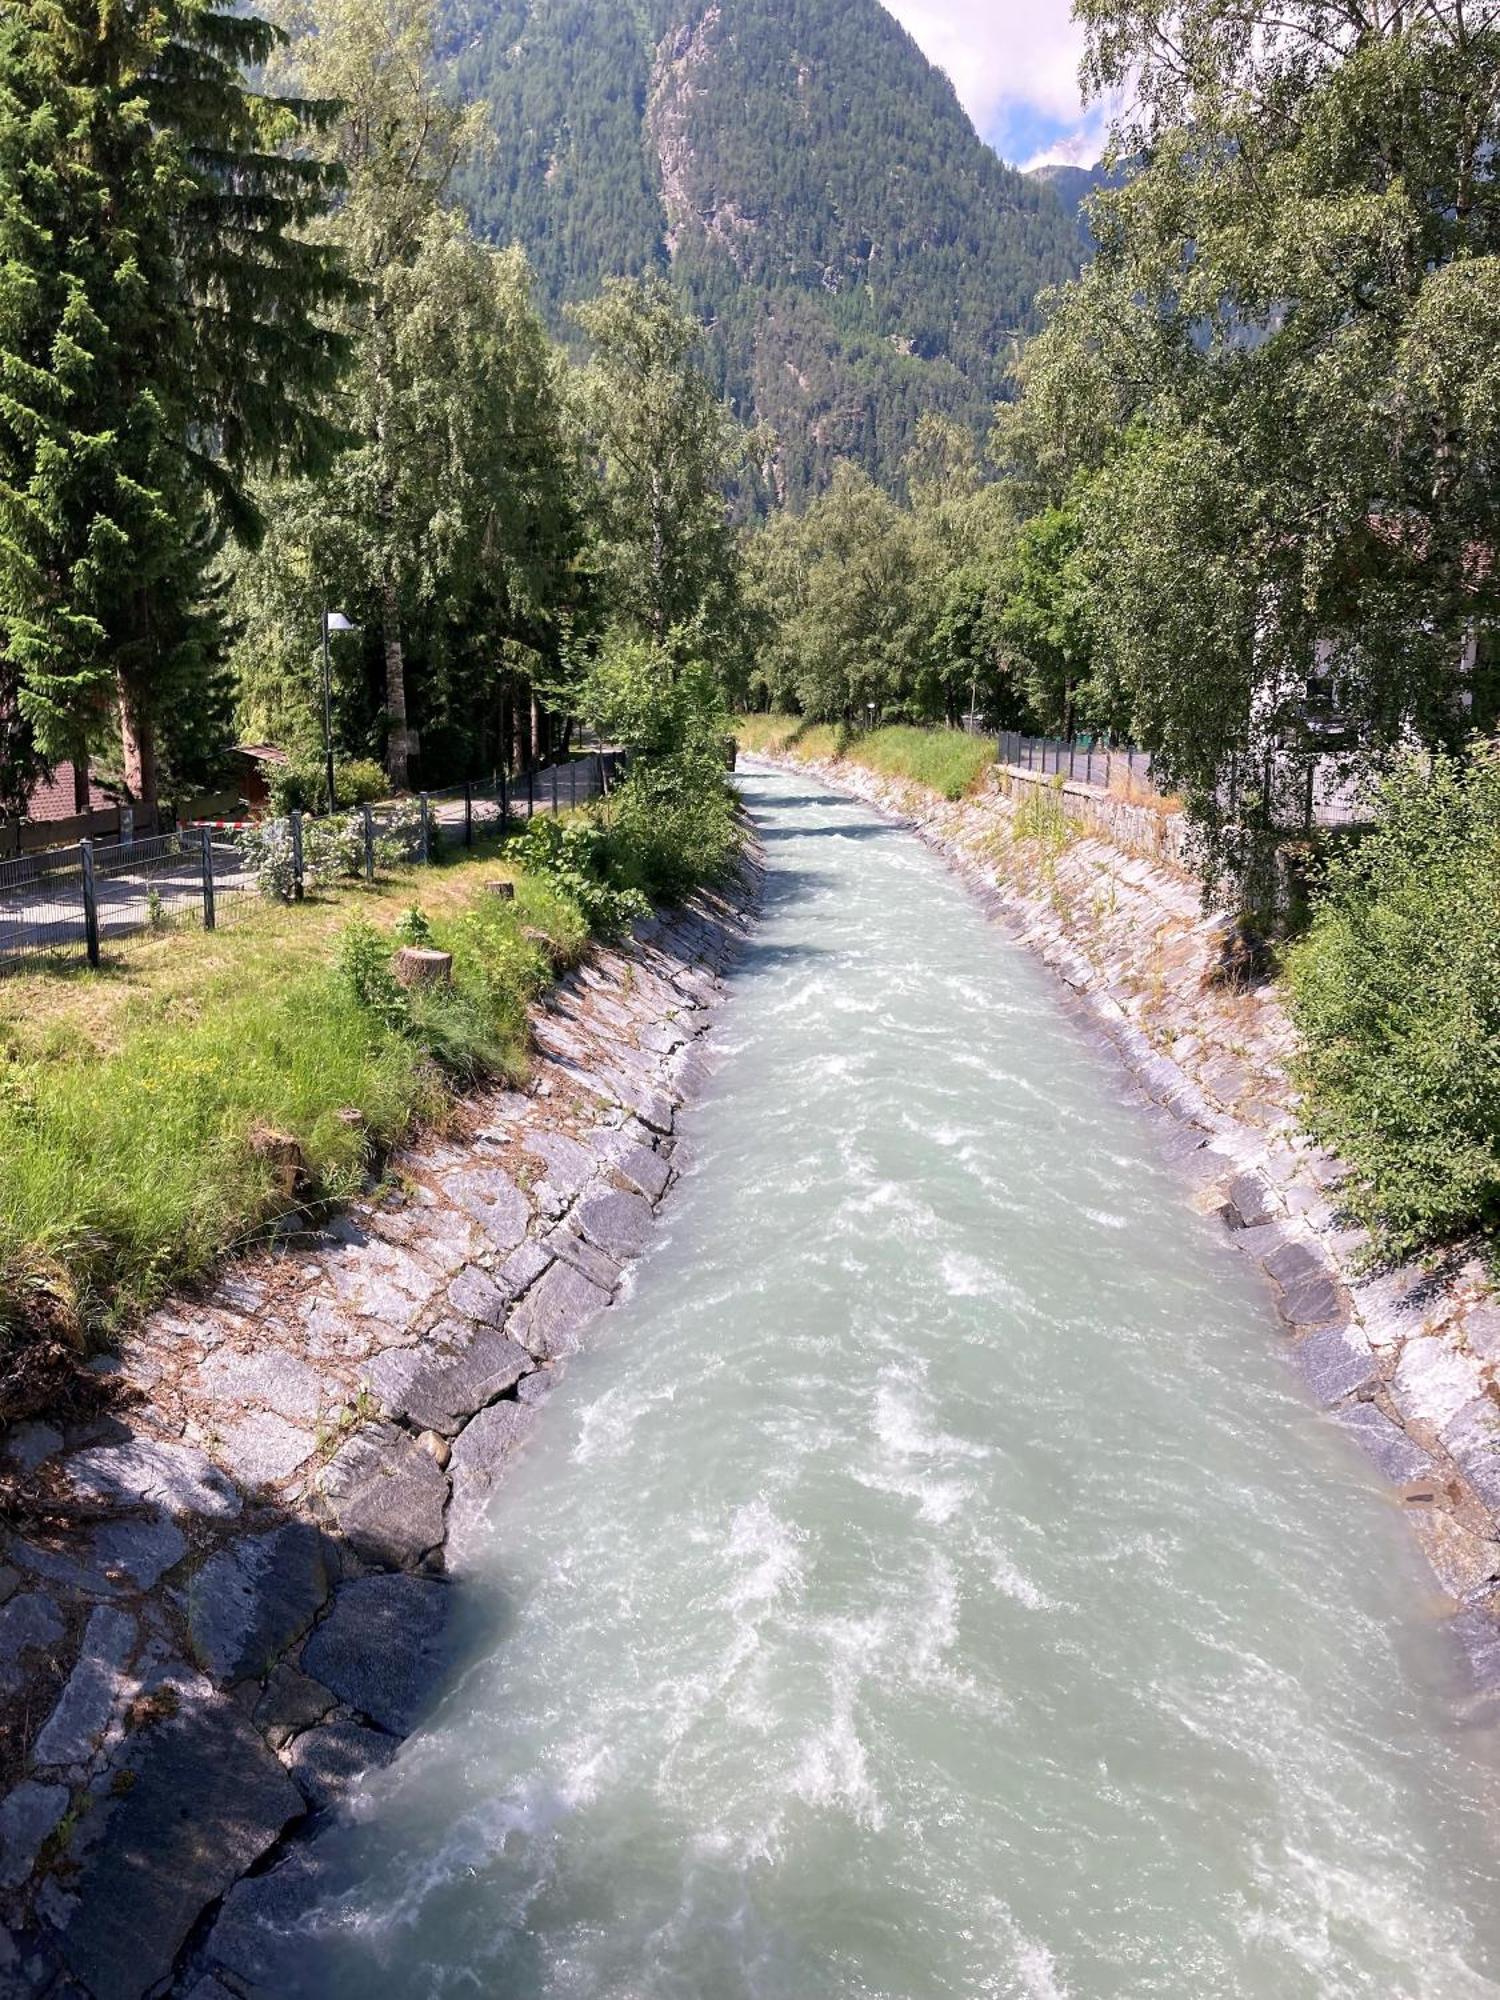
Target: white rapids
[[932, 1582]]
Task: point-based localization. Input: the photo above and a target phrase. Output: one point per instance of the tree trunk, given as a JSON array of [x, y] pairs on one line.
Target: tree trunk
[[398, 738], [137, 746], [535, 754]]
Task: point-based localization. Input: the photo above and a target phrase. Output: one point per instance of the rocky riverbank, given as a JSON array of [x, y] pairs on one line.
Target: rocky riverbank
[[230, 1593], [1406, 1360]]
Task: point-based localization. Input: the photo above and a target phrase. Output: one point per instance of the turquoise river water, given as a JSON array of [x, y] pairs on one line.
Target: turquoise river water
[[932, 1581]]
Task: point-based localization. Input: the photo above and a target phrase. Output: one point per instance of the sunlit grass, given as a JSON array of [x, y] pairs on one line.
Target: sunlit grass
[[129, 1097], [948, 761]]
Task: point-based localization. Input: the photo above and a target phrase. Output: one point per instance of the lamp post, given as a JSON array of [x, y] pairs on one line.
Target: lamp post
[[870, 710], [333, 621]]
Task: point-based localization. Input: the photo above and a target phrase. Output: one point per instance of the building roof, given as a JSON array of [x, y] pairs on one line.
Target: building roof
[[54, 798]]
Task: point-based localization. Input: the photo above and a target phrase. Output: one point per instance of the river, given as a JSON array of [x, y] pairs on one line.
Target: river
[[932, 1582]]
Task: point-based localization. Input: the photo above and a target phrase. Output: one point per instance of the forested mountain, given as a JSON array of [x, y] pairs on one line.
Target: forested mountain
[[805, 174]]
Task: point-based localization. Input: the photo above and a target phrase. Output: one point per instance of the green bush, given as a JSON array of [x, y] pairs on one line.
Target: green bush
[[579, 856], [1396, 990], [673, 823], [302, 785]]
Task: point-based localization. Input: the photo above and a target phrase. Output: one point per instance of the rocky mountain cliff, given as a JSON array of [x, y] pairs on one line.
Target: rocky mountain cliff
[[806, 176]]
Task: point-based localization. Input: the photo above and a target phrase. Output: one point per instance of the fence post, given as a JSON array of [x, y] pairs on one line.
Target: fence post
[[206, 851], [554, 789], [426, 811], [1071, 747], [90, 903], [297, 857], [504, 807], [367, 819], [468, 814], [530, 793], [603, 776]]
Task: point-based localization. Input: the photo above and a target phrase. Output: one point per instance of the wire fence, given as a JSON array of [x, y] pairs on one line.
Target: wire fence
[[71, 904], [1298, 790]]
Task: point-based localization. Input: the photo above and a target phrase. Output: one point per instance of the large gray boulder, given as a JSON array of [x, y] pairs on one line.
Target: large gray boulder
[[385, 1496], [383, 1647], [252, 1600], [206, 1798]]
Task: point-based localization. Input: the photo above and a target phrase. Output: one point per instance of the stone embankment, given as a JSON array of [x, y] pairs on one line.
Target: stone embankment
[[1406, 1360], [232, 1593]]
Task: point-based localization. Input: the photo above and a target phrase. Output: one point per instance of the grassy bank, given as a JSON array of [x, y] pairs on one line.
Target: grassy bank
[[946, 760], [141, 1108]]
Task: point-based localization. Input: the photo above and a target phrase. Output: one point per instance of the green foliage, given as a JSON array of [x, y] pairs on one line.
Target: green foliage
[[859, 257], [412, 927], [674, 823], [579, 858], [1396, 990], [302, 786], [159, 339], [666, 447], [1272, 401], [948, 761]]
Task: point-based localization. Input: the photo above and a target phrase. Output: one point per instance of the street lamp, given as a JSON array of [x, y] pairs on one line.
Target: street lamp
[[333, 621], [870, 708]]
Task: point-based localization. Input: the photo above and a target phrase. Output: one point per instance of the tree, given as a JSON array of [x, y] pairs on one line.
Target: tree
[[1043, 620], [158, 341], [1279, 378], [665, 449], [397, 140]]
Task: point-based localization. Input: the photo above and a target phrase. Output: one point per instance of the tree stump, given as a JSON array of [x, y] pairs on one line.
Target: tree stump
[[282, 1155], [506, 891], [417, 965]]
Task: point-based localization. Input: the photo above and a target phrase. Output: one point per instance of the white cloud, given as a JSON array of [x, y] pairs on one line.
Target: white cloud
[[1014, 64]]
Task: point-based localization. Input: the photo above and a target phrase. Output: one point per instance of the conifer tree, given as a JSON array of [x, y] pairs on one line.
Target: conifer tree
[[158, 341]]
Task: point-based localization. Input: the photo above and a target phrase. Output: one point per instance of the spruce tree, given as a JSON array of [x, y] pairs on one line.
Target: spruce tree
[[159, 339]]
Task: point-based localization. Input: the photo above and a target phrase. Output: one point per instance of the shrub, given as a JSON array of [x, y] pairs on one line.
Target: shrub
[[1396, 990], [673, 823], [580, 858], [302, 785]]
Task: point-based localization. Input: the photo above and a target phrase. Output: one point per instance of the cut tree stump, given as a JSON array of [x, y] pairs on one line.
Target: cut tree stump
[[506, 891], [416, 965]]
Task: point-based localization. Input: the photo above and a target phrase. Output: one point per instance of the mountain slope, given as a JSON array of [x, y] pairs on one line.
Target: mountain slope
[[808, 178]]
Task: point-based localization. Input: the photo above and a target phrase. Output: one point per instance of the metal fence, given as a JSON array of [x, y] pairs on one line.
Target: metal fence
[[70, 904], [1301, 790]]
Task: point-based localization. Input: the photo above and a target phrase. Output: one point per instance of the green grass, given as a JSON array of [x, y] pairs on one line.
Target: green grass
[[130, 1098], [947, 761]]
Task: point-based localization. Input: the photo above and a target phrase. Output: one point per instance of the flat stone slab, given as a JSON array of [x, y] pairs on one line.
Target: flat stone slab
[[252, 1600], [269, 1377], [328, 1763], [208, 1799], [548, 1320], [1393, 1451], [1464, 1562], [1433, 1381], [493, 1200], [482, 1456], [621, 1224], [449, 1387], [261, 1938], [28, 1815], [384, 1496], [262, 1449], [383, 1647], [29, 1622], [293, 1701], [175, 1477], [1473, 1437], [1335, 1362], [138, 1552], [597, 1265], [647, 1172], [475, 1295], [76, 1725]]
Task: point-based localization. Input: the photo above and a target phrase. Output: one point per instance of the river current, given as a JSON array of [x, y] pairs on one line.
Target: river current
[[932, 1582]]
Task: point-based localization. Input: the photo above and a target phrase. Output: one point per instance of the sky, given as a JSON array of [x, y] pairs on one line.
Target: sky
[[1014, 64]]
